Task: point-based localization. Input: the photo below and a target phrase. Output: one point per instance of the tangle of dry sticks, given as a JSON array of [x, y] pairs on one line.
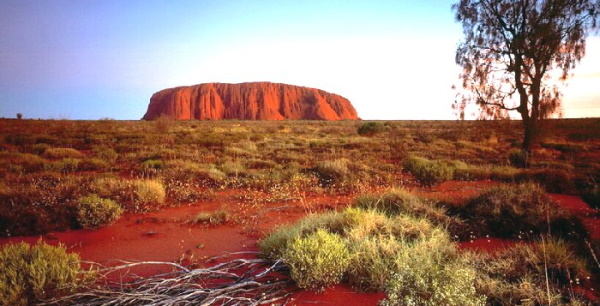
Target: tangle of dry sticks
[[235, 282]]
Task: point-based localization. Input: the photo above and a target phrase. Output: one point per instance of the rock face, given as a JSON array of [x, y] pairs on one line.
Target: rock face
[[248, 101]]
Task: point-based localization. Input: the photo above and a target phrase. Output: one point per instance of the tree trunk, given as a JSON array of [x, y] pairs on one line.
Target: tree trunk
[[529, 137]]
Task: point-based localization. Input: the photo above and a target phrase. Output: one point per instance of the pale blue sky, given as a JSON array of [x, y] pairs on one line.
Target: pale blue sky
[[89, 59]]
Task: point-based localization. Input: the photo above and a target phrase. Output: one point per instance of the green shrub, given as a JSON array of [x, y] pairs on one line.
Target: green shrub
[[29, 274], [518, 274], [332, 172], [22, 162], [151, 166], [371, 128], [399, 201], [110, 187], [61, 153], [318, 260], [65, 165], [520, 211], [274, 245], [92, 164], [418, 284], [148, 192], [517, 158], [107, 154], [94, 212], [428, 172], [553, 180]]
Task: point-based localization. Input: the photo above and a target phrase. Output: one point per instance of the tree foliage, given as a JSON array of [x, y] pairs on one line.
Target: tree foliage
[[517, 54]]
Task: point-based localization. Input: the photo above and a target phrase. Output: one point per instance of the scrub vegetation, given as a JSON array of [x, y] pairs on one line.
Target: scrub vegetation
[[397, 234]]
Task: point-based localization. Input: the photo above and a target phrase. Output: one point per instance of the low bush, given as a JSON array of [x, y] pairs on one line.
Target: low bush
[[371, 128], [146, 193], [107, 154], [92, 164], [520, 211], [65, 165], [433, 284], [333, 172], [553, 180], [30, 274], [541, 273], [317, 260], [212, 218], [39, 203], [151, 166], [428, 172], [399, 201], [94, 212], [61, 153], [377, 244], [517, 158]]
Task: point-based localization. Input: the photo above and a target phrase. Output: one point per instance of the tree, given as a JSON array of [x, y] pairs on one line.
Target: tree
[[517, 54], [19, 116]]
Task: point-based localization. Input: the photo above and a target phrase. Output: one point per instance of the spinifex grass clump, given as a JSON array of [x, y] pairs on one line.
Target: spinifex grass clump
[[428, 172], [378, 248], [521, 211], [400, 201], [30, 274], [94, 212], [540, 273], [212, 218], [317, 260]]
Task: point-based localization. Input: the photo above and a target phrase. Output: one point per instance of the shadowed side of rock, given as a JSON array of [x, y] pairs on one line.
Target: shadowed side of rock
[[249, 101]]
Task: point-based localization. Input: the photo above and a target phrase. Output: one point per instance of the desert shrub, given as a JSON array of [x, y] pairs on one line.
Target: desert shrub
[[147, 192], [106, 154], [371, 128], [94, 212], [553, 180], [317, 260], [517, 158], [333, 171], [212, 218], [151, 166], [22, 162], [233, 168], [30, 274], [399, 201], [110, 187], [61, 153], [472, 173], [92, 164], [504, 174], [19, 139], [377, 243], [273, 245], [518, 274], [65, 165], [39, 203], [520, 211], [428, 172], [418, 284]]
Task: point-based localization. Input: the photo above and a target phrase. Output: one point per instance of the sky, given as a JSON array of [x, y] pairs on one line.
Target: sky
[[93, 59]]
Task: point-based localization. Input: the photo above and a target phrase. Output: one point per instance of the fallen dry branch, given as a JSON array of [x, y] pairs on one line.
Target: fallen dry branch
[[235, 282]]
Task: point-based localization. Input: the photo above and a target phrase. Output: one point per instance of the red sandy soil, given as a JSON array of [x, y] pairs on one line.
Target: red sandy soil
[[168, 235]]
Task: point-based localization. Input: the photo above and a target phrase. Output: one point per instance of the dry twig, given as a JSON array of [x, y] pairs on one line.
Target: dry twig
[[235, 282]]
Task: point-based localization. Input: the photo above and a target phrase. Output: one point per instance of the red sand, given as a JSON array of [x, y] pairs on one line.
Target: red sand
[[168, 235]]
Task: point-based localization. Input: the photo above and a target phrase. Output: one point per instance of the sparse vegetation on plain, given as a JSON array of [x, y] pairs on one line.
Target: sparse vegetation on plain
[[31, 274], [60, 175]]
